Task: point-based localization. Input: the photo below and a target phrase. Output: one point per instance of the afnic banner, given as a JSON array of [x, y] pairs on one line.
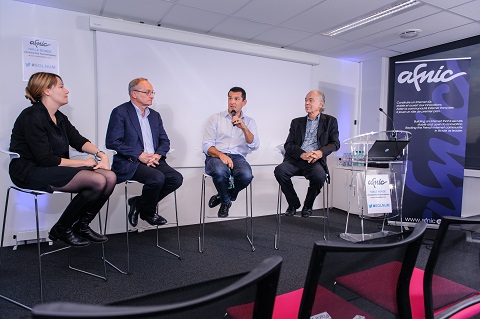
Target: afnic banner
[[431, 101]]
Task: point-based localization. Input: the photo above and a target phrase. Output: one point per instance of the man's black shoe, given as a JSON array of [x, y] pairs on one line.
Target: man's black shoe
[[214, 201], [133, 213], [223, 210], [155, 220], [291, 210], [306, 212]]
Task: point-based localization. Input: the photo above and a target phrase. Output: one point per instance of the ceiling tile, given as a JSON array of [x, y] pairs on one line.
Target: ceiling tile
[[316, 43], [470, 10], [297, 24], [446, 4], [239, 29], [219, 6], [375, 54], [273, 11], [391, 22], [148, 11], [428, 25], [281, 37], [443, 37], [84, 6], [329, 14], [348, 50], [192, 19]]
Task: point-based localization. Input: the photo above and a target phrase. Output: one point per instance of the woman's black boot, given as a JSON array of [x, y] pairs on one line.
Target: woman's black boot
[[67, 236], [82, 228], [62, 230]]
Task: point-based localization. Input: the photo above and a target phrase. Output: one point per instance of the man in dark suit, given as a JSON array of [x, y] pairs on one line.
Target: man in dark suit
[[310, 140], [136, 133]]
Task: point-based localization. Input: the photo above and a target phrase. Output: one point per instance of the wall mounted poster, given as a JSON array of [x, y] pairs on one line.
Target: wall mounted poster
[[431, 101], [39, 55]]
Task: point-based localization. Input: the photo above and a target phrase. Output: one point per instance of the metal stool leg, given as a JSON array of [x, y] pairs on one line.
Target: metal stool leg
[[201, 232], [39, 251], [279, 214], [1, 249], [126, 232], [249, 234], [104, 277], [178, 231], [249, 229], [325, 210], [326, 213]]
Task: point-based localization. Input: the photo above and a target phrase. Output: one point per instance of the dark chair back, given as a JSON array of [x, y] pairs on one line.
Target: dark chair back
[[452, 272], [205, 300], [331, 284], [466, 309]]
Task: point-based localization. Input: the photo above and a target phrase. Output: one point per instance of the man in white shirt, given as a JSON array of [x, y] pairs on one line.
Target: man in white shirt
[[229, 136]]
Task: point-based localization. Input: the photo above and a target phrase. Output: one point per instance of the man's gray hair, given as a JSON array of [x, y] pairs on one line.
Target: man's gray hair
[[322, 99], [133, 84]]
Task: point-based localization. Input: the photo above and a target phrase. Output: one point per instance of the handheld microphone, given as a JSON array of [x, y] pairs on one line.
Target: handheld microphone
[[394, 133], [233, 112]]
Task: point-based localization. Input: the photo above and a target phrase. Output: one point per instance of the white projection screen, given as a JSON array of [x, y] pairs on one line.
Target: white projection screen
[[191, 83]]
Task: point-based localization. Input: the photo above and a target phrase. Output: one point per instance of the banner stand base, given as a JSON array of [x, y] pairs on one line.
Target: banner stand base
[[356, 238]]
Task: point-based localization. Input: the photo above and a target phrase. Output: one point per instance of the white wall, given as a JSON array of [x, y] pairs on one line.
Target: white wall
[[192, 83], [374, 94], [340, 81], [77, 68]]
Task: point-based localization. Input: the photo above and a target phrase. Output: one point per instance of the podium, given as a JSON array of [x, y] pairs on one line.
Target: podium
[[377, 185]]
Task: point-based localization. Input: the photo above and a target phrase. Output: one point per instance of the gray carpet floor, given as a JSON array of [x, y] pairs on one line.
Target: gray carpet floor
[[227, 251]]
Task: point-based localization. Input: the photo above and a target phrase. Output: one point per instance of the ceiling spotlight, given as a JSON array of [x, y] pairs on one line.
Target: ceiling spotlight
[[378, 15], [410, 33]]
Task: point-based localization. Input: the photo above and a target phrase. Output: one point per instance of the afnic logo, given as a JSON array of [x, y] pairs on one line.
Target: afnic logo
[[431, 76], [38, 43]]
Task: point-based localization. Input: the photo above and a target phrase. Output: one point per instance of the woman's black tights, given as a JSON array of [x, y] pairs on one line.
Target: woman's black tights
[[93, 189]]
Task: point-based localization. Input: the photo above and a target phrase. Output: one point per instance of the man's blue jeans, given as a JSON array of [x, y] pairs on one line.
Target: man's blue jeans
[[241, 171]]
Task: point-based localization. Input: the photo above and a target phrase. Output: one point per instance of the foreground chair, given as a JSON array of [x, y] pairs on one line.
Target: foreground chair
[[469, 308], [36, 194], [205, 300], [452, 273], [330, 261]]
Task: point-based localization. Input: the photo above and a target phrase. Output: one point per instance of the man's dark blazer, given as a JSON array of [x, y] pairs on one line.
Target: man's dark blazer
[[327, 138], [124, 135]]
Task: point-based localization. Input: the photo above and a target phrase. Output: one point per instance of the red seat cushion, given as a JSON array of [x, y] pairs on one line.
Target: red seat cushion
[[288, 304], [363, 284], [374, 284]]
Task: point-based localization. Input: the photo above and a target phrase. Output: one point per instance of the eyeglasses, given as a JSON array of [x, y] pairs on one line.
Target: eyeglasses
[[146, 92]]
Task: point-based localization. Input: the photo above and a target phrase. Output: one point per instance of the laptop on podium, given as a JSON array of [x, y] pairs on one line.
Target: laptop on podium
[[386, 150]]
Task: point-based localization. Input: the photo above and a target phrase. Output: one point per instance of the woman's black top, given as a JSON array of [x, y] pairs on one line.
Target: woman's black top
[[40, 142]]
